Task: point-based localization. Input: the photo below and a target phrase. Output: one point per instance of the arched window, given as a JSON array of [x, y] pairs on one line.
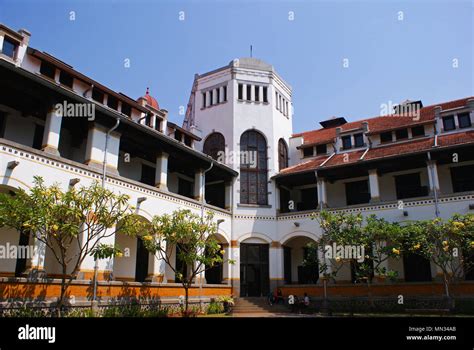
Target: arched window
[[282, 154], [214, 144], [253, 168]]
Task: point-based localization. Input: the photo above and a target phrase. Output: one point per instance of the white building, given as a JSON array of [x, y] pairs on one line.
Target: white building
[[263, 190]]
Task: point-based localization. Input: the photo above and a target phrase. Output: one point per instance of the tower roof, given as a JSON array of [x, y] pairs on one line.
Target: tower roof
[[150, 100]]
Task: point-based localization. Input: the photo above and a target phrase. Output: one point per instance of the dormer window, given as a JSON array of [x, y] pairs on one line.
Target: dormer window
[[417, 131], [321, 149], [346, 142], [112, 102], [464, 120], [401, 134], [358, 140], [308, 152], [126, 109], [47, 69], [448, 123], [386, 137], [66, 79], [9, 47], [98, 95]]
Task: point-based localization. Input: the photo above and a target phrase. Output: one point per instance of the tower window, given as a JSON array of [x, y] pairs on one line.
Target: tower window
[[203, 100], [218, 96], [224, 90], [282, 154], [214, 145], [241, 92], [249, 92], [211, 98], [265, 94], [257, 93]]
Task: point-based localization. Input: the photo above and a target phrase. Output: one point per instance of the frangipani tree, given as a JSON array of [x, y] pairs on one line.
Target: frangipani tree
[[198, 249], [71, 224]]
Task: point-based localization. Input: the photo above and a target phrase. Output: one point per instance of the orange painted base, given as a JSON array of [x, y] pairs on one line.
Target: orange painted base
[[31, 290]]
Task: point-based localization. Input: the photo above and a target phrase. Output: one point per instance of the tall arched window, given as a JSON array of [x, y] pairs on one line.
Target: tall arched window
[[214, 144], [253, 168], [282, 154]]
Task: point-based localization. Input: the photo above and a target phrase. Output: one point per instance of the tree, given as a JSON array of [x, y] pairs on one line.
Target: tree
[[195, 239], [71, 224], [447, 243]]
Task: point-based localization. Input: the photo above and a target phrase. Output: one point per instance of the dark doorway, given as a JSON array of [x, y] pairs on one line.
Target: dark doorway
[[214, 275], [287, 264], [469, 266], [416, 268], [21, 260], [254, 270], [181, 266], [141, 268], [308, 274], [215, 194]]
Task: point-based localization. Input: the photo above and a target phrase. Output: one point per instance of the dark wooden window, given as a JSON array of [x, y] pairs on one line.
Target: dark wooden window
[[462, 178], [98, 95], [448, 123], [409, 186], [257, 93], [214, 144], [401, 134], [148, 175], [241, 92], [321, 149], [249, 92], [38, 136], [126, 109], [265, 94], [386, 137], [357, 192], [418, 131], [66, 79], [464, 120], [47, 69], [346, 142], [309, 199], [224, 91], [282, 154], [358, 140], [253, 177], [112, 102], [9, 47], [308, 152]]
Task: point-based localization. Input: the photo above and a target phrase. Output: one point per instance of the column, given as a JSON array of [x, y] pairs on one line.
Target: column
[[95, 149], [235, 268], [226, 265], [104, 266], [201, 275], [228, 195], [433, 176], [277, 199], [199, 185], [276, 265], [52, 130], [374, 186], [322, 193], [161, 175], [156, 267], [244, 92]]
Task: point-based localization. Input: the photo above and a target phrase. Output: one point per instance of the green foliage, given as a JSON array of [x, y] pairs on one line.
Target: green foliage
[[215, 308]]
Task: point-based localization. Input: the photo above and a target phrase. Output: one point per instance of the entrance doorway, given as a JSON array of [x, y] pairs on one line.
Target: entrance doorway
[[254, 270], [141, 268]]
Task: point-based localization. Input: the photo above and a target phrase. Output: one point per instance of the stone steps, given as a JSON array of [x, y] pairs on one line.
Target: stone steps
[[257, 305]]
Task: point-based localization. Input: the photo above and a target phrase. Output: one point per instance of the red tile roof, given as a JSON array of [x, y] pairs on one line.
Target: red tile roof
[[380, 123]]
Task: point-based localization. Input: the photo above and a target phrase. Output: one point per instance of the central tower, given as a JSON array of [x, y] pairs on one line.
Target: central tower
[[244, 111]]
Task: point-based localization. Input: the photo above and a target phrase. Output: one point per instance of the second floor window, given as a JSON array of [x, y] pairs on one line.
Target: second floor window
[[409, 186], [462, 179], [357, 192], [253, 175], [464, 120], [346, 142]]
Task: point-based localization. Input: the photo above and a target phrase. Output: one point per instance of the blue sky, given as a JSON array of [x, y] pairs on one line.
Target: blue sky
[[389, 59]]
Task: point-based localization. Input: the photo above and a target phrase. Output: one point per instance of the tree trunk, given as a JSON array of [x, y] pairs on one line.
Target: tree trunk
[[186, 300], [63, 291]]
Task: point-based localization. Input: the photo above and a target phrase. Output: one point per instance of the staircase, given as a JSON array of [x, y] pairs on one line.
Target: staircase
[[257, 305]]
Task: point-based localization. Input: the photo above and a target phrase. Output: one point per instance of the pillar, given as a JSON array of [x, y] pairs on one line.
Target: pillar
[[433, 176], [161, 175], [156, 267], [228, 195], [276, 265], [226, 265], [322, 193], [199, 185], [235, 268], [374, 186], [52, 130], [95, 149], [35, 265]]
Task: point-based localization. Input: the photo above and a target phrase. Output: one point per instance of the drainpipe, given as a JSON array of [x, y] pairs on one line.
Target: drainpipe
[[435, 190], [104, 173], [203, 191]]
